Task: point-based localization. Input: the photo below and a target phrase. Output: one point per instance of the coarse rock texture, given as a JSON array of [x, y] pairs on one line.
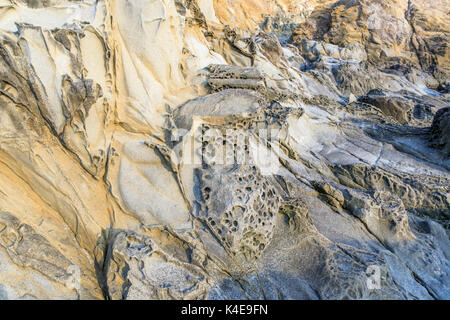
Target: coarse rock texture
[[212, 149]]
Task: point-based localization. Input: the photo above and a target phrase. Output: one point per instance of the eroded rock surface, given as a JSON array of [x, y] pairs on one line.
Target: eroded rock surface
[[162, 149]]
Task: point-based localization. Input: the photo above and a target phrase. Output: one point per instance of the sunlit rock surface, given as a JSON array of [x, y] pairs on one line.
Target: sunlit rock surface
[[211, 149]]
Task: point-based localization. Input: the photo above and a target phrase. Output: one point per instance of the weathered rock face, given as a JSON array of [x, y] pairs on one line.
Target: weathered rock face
[[201, 149], [440, 130], [411, 31]]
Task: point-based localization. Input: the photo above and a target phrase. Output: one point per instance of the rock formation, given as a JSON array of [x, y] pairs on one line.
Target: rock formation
[[211, 149]]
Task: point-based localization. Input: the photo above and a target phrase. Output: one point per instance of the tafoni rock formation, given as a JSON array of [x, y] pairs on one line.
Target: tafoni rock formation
[[224, 149]]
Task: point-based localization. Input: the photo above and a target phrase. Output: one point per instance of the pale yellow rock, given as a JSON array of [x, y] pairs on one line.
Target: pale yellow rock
[[114, 115]]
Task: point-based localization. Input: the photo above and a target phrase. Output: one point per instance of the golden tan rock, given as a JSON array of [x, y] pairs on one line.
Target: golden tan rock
[[211, 149]]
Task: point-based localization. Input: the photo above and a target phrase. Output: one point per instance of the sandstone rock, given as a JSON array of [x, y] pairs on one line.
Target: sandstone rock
[[440, 130], [396, 107], [211, 149], [137, 267], [386, 29]]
